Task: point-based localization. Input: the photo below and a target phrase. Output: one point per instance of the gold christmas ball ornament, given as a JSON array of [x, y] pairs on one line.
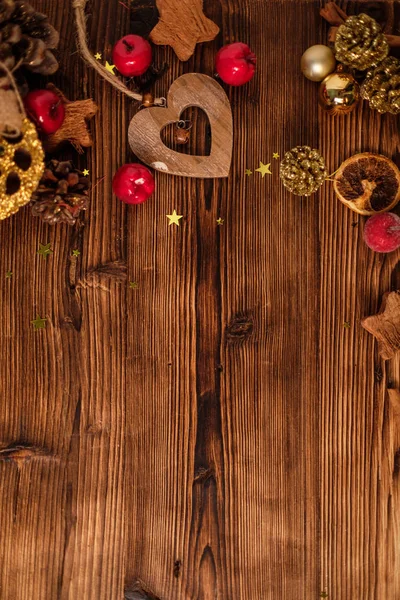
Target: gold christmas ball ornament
[[21, 167], [339, 93], [317, 62]]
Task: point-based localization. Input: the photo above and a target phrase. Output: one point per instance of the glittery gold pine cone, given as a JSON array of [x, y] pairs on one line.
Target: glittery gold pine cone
[[382, 86], [302, 170], [360, 43]]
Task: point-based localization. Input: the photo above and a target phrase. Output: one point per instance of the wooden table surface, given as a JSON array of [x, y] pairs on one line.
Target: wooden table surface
[[218, 432]]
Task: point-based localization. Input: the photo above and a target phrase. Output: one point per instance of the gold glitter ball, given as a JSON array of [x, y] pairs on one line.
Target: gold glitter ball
[[339, 93], [21, 167]]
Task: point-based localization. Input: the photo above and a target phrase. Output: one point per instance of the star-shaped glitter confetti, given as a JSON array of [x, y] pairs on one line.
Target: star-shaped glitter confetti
[[323, 595], [9, 274], [110, 68], [174, 218], [133, 285], [346, 325], [275, 155], [45, 250], [264, 169], [248, 172], [97, 56], [85, 172], [39, 323], [220, 221], [76, 252]]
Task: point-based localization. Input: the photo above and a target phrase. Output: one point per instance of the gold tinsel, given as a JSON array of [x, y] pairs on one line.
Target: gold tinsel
[[25, 178], [382, 86], [302, 170], [360, 43]]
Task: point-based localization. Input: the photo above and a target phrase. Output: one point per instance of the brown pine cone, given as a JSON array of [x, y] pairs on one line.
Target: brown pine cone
[[360, 43], [61, 195], [382, 86], [26, 38]]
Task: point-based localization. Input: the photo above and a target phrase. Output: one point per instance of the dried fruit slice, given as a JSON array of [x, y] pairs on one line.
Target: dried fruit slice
[[368, 183]]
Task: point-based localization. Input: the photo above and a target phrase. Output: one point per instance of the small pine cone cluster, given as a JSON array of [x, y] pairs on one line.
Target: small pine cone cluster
[[303, 170], [26, 38], [61, 195], [381, 86], [360, 43]]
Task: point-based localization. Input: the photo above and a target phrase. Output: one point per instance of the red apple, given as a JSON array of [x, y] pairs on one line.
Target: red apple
[[133, 183], [46, 109], [132, 55], [236, 64], [382, 232]]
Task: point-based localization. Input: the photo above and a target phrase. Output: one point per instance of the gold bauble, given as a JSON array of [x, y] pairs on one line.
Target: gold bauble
[[317, 62], [339, 93], [21, 167]]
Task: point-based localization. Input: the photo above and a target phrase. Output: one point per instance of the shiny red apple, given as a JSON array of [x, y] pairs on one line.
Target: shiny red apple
[[236, 64], [133, 183], [132, 55], [46, 109]]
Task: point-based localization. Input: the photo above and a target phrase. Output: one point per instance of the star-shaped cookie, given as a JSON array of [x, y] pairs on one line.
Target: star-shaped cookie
[[182, 25], [385, 326]]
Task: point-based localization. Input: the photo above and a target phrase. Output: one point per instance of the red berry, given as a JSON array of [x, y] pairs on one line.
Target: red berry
[[132, 55], [133, 183], [236, 64], [382, 232], [46, 109]]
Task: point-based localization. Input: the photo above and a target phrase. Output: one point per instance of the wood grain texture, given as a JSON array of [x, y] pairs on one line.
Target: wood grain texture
[[216, 433]]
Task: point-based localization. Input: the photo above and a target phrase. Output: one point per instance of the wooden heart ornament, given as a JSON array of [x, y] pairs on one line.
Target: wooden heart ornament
[[189, 90]]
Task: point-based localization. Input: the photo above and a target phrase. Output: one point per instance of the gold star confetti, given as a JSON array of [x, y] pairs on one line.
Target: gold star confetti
[[133, 285], [275, 155], [110, 67], [346, 325], [323, 595], [85, 172], [174, 218], [45, 250], [9, 274], [97, 56], [220, 221], [264, 169], [248, 172], [39, 323], [76, 252]]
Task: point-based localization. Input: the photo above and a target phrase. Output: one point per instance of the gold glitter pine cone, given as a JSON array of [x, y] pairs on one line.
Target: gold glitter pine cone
[[303, 170], [381, 86], [21, 167], [360, 43]]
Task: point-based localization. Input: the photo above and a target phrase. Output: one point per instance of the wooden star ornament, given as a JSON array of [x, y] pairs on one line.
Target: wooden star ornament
[[182, 25], [385, 325], [74, 128]]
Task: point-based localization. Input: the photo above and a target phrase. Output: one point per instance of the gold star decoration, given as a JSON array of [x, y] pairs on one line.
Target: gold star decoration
[[85, 172], [110, 68], [248, 172], [133, 285], [264, 169], [39, 323], [275, 155], [346, 325], [174, 218], [323, 595], [75, 252], [385, 325], [45, 250], [220, 221], [97, 56], [9, 274]]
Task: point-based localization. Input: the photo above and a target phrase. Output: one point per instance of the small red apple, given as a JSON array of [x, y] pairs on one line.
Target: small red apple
[[236, 64], [46, 109], [132, 55], [133, 183], [382, 232]]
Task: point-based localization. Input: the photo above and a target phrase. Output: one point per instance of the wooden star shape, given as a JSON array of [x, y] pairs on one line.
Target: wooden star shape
[[45, 250], [275, 155], [174, 218], [39, 323], [110, 68], [74, 128], [385, 325], [97, 56], [264, 169], [248, 172], [182, 25]]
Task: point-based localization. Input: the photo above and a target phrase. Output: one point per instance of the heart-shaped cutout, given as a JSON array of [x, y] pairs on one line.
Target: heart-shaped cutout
[[145, 129]]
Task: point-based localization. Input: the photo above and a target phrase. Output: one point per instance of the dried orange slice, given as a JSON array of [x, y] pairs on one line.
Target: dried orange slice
[[368, 183]]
